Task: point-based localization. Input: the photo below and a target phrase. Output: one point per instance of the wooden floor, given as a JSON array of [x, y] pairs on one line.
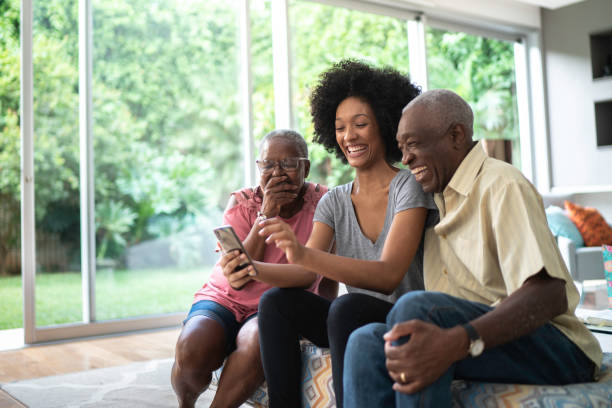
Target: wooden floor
[[73, 356]]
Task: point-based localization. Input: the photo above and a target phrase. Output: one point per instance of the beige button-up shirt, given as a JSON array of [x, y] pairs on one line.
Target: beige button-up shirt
[[491, 237]]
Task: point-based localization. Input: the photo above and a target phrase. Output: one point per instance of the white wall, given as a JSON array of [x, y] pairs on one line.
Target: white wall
[[495, 14], [577, 164]]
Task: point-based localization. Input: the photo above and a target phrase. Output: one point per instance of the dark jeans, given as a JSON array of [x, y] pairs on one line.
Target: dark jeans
[[286, 314], [544, 356]]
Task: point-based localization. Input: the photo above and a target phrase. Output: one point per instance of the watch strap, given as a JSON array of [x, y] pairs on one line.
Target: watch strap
[[471, 331]]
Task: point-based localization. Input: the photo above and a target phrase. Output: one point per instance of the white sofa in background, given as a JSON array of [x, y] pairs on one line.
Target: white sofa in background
[[583, 263]]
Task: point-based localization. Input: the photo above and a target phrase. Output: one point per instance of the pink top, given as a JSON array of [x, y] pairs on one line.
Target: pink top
[[243, 303]]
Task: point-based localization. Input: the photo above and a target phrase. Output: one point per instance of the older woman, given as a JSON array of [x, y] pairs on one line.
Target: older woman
[[222, 321], [375, 222]]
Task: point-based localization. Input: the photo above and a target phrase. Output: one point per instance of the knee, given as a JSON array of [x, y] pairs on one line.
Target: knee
[[187, 354], [199, 350], [273, 300], [415, 305], [364, 342], [341, 310], [247, 340]]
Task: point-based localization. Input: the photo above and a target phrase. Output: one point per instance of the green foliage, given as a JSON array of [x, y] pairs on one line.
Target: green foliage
[[167, 132], [340, 33], [10, 181], [11, 306], [261, 68], [119, 294], [481, 70], [167, 129], [112, 221]]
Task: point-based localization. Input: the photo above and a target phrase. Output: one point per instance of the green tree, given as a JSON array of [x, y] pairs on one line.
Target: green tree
[[10, 180], [167, 128], [323, 35], [481, 70]]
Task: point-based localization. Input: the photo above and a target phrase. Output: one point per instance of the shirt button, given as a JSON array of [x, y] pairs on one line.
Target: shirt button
[[444, 271], [443, 236]]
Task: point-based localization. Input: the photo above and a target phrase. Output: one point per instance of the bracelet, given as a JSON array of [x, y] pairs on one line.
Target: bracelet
[[261, 217]]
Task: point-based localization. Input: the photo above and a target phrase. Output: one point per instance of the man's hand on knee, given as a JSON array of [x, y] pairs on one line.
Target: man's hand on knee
[[428, 353]]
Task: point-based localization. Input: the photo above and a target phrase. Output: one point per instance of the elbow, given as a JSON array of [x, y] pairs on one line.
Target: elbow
[[393, 278], [558, 288], [552, 292], [309, 279], [388, 287]]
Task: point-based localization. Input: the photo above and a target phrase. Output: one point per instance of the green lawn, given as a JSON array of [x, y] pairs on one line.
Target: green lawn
[[119, 293]]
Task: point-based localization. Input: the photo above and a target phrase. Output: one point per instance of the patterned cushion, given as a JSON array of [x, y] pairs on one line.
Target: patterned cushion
[[479, 394], [317, 385], [560, 225], [592, 226], [318, 389], [607, 260]]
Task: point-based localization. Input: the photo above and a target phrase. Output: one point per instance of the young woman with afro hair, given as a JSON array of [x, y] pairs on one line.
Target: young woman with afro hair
[[366, 234]]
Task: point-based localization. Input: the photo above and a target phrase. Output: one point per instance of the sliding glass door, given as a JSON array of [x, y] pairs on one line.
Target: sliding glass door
[[322, 35], [11, 298], [166, 148], [56, 162], [482, 70], [140, 117]]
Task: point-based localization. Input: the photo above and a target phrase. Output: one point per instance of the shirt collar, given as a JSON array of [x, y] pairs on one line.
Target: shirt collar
[[468, 169]]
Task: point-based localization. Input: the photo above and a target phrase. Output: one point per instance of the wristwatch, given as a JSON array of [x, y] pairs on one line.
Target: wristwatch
[[476, 343]]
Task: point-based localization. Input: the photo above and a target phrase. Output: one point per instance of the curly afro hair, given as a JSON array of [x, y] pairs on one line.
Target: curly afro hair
[[385, 89]]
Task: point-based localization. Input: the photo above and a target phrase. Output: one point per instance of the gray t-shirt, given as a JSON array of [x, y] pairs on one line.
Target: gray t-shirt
[[336, 210]]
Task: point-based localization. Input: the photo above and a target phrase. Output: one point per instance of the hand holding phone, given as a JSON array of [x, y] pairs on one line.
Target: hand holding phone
[[229, 241]]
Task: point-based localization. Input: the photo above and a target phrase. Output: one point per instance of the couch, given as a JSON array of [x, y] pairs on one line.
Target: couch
[[317, 388], [583, 263]]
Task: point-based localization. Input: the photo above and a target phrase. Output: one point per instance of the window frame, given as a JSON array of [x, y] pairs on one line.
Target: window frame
[[530, 98]]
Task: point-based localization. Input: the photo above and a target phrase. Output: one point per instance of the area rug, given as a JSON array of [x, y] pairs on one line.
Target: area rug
[[144, 384]]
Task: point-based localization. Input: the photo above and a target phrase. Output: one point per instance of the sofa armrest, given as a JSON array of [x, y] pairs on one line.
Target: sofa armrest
[[568, 253], [589, 263]]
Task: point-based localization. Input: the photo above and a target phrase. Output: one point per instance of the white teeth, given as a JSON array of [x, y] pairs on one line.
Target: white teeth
[[417, 170], [354, 149]]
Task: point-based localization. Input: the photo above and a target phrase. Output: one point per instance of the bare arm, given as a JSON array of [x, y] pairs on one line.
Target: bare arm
[[253, 243], [281, 275], [431, 349], [536, 302], [381, 275]]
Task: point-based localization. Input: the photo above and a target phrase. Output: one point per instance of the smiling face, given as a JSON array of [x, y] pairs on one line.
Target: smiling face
[[357, 133], [432, 155], [280, 148]]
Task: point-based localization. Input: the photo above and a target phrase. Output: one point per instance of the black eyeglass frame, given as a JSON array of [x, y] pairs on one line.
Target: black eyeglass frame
[[272, 164]]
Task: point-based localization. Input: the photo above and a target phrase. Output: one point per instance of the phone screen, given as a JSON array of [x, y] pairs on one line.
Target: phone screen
[[229, 242]]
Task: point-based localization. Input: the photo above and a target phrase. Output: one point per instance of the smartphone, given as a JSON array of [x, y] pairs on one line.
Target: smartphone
[[230, 242]]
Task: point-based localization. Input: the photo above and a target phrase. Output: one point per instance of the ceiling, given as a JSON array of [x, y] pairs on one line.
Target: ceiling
[[550, 4]]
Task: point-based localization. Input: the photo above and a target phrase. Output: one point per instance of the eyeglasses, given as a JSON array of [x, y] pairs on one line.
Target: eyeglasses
[[288, 164]]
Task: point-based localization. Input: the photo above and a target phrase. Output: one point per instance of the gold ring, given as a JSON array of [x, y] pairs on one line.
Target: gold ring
[[403, 377]]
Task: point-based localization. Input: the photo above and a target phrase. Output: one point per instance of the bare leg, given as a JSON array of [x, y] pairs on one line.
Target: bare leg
[[243, 372], [200, 350]]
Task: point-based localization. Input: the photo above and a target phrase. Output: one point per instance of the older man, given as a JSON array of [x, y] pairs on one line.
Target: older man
[[499, 302]]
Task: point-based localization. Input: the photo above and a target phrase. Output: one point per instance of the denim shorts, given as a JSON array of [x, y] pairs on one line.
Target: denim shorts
[[222, 315]]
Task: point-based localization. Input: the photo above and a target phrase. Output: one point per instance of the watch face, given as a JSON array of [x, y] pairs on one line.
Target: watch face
[[476, 347]]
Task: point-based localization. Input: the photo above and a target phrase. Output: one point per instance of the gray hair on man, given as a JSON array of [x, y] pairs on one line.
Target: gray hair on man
[[445, 108]]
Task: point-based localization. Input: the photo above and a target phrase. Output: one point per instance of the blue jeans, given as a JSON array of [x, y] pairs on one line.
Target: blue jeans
[[545, 356]]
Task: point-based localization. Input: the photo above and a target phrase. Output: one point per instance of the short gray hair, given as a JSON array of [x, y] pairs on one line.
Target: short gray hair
[[290, 136], [446, 108]]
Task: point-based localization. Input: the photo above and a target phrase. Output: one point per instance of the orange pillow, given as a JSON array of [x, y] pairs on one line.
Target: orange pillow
[[592, 226]]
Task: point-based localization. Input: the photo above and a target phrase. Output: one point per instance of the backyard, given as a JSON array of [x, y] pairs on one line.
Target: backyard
[[119, 293]]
